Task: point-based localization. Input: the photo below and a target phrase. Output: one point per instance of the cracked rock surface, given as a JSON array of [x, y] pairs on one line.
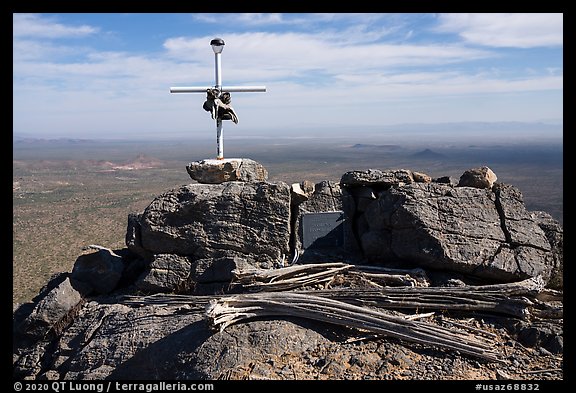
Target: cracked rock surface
[[198, 233], [487, 233], [249, 220]]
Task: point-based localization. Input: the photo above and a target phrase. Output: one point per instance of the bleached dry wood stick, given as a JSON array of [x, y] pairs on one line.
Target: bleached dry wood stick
[[310, 274], [226, 311]]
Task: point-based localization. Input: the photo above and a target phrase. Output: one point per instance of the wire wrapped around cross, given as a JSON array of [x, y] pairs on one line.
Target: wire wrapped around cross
[[218, 104]]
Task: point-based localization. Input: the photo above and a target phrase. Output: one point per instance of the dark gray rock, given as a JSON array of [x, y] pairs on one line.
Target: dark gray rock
[[120, 342], [231, 169], [203, 221], [327, 197], [363, 196], [133, 237], [36, 325], [53, 310], [54, 280], [482, 177], [28, 362], [538, 334], [211, 288], [528, 246], [445, 180], [100, 270], [260, 342], [375, 177], [133, 270], [113, 341], [467, 230], [517, 222], [555, 235], [214, 270], [376, 244], [166, 273]]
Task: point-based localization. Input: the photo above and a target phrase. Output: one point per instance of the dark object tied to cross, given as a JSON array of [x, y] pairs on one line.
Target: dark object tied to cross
[[218, 104]]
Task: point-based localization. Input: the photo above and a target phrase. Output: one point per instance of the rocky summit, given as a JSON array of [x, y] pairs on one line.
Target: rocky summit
[[386, 274]]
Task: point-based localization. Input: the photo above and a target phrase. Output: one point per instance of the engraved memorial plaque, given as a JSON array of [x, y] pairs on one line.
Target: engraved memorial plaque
[[323, 230]]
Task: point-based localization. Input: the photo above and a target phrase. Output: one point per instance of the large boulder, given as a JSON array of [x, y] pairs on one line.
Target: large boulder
[[53, 308], [210, 221], [100, 270], [463, 229], [229, 169], [375, 177], [482, 177]]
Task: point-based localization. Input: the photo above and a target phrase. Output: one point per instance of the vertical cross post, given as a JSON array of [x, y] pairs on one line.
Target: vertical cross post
[[217, 46]]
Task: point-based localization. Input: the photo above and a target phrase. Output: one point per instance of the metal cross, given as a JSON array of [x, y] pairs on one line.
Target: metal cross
[[217, 46]]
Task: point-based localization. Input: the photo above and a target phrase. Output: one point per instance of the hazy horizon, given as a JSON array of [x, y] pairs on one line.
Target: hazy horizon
[[445, 132]]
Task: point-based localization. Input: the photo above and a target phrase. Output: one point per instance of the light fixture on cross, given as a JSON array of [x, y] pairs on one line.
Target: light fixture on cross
[[218, 98]]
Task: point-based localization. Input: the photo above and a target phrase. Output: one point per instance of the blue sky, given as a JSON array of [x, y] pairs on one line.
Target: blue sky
[[108, 75]]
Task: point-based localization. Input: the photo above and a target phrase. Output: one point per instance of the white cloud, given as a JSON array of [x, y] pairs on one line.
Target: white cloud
[[265, 56], [357, 17], [350, 27], [341, 74], [108, 72], [308, 20], [506, 30], [250, 19], [260, 19], [32, 25], [30, 49]]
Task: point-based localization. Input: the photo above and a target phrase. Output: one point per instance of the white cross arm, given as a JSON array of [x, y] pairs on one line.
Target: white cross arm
[[231, 89]]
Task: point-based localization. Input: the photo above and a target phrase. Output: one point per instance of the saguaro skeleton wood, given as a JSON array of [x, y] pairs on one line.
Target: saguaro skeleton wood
[[218, 99]]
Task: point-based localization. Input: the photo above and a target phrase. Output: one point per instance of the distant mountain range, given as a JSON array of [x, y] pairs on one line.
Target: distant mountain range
[[428, 154], [23, 139]]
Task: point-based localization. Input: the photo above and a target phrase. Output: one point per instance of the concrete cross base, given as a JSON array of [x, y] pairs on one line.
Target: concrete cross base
[[229, 169]]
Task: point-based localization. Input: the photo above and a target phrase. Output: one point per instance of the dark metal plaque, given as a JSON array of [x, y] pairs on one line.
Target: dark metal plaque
[[323, 230]]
